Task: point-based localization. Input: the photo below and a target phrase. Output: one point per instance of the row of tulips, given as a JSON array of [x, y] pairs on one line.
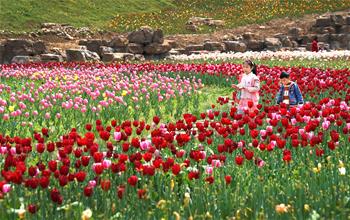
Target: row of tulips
[[264, 55], [267, 163]]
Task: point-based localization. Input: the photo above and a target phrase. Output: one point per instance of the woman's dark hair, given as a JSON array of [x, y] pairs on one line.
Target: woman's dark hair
[[252, 66], [284, 75]]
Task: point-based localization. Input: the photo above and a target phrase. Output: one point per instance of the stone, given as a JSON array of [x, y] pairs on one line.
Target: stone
[[255, 45], [39, 47], [142, 36], [323, 22], [91, 56], [156, 49], [294, 32], [75, 55], [2, 50], [172, 43], [323, 37], [17, 47], [192, 27], [286, 42], [51, 58], [158, 36], [342, 39], [345, 29], [337, 20], [273, 43], [347, 20], [248, 36], [105, 49], [117, 57], [24, 59], [118, 42], [94, 45], [194, 47], [216, 23], [235, 46], [213, 46], [135, 48]]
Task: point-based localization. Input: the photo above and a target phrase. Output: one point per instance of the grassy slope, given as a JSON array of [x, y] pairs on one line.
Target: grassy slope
[[28, 14], [170, 15]]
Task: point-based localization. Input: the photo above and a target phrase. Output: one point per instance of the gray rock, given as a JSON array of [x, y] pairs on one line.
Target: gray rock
[[117, 57], [347, 20], [51, 58], [273, 43], [345, 29], [248, 36], [255, 45], [24, 59], [194, 47], [118, 42], [158, 36], [94, 45], [105, 49], [142, 36], [337, 20], [156, 49], [323, 22], [213, 46], [191, 27], [75, 55], [294, 32], [235, 46], [2, 50], [135, 48]]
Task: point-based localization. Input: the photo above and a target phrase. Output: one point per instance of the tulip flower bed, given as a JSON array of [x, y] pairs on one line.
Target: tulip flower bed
[[270, 163]]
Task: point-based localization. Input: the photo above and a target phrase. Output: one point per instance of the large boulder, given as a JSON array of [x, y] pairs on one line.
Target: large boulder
[[323, 22], [345, 29], [295, 32], [95, 45], [105, 49], [142, 36], [135, 48], [255, 45], [337, 20], [194, 47], [117, 57], [248, 36], [213, 46], [235, 46], [156, 49], [118, 42], [158, 36], [39, 47], [51, 58], [78, 55], [25, 59], [191, 27], [75, 55], [2, 50], [343, 39], [273, 43], [21, 47]]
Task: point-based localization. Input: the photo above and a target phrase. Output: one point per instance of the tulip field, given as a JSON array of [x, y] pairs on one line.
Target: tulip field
[[165, 141]]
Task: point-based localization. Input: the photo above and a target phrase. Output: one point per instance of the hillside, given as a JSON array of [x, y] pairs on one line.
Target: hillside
[[170, 15]]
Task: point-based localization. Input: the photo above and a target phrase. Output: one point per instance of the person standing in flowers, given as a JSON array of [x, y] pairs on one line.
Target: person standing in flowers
[[248, 87], [314, 45], [289, 92]]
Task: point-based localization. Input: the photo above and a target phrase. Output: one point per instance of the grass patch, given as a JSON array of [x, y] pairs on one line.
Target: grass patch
[[170, 15]]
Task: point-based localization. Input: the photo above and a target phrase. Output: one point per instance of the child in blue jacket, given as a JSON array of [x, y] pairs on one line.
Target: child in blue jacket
[[289, 92]]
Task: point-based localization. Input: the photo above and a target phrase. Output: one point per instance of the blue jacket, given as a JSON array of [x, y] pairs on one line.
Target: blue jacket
[[295, 97]]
